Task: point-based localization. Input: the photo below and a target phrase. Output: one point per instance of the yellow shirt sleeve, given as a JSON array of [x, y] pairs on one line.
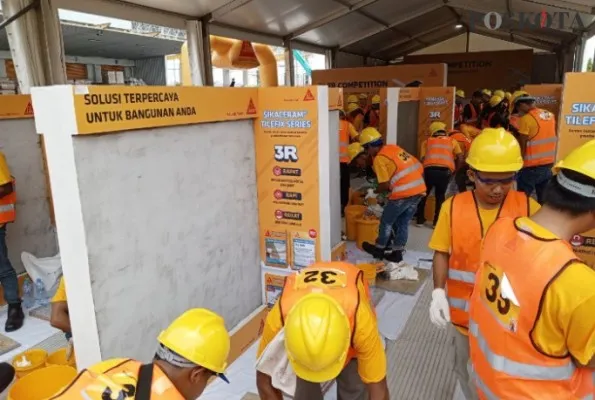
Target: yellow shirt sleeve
[[60, 295], [371, 358], [528, 125], [272, 325], [383, 168], [456, 148], [566, 323], [422, 151], [5, 176], [441, 237], [353, 133]]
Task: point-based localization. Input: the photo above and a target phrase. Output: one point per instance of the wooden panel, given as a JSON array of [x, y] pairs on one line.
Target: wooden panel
[[76, 71], [106, 68]]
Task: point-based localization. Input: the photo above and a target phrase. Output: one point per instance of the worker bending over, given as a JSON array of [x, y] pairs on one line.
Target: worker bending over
[[401, 175], [355, 115], [472, 110], [441, 155], [459, 108], [493, 160], [532, 326], [330, 333], [372, 117], [357, 155], [537, 136], [347, 133], [192, 350], [465, 144]]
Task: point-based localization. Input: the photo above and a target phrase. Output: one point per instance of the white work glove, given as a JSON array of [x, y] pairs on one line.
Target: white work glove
[[439, 311], [370, 194]]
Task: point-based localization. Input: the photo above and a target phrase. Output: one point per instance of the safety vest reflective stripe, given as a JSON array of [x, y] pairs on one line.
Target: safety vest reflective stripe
[[517, 369], [439, 152], [401, 174], [6, 208], [463, 276], [407, 179], [407, 186], [540, 142], [458, 303], [541, 149]]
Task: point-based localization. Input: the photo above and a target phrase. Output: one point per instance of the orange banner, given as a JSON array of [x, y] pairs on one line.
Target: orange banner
[[273, 286], [335, 99], [409, 94], [435, 104], [102, 109], [15, 106], [576, 126], [547, 96], [286, 140]]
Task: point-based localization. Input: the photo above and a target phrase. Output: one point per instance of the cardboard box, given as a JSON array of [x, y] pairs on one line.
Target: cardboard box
[[120, 77], [246, 333]]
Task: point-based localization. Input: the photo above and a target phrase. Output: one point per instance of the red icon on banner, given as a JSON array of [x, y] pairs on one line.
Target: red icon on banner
[[313, 233], [277, 171], [278, 194], [279, 214], [309, 96], [29, 109], [251, 109]]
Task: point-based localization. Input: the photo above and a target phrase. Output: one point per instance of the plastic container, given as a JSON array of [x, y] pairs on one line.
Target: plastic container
[[28, 294], [369, 272], [36, 357], [356, 198], [43, 383], [367, 231], [352, 213], [41, 295], [59, 358]]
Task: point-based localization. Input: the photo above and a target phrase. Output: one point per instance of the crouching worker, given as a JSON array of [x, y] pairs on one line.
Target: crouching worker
[[193, 349], [494, 158], [532, 325], [330, 332]]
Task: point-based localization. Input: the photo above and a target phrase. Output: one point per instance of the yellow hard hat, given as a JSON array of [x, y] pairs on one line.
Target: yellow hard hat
[[487, 91], [199, 335], [369, 135], [354, 150], [495, 150], [508, 96], [317, 338], [376, 99], [363, 96], [351, 107], [499, 93], [460, 93], [352, 99], [495, 100], [517, 94], [437, 126], [581, 160]]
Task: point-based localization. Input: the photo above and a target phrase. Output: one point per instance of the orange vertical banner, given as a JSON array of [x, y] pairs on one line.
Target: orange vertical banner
[[435, 104]]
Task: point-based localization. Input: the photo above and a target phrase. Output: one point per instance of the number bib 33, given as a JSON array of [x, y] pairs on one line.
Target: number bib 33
[[324, 278], [506, 312]]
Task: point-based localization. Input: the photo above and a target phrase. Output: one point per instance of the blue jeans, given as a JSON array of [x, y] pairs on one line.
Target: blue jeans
[[395, 222], [8, 276], [534, 179]]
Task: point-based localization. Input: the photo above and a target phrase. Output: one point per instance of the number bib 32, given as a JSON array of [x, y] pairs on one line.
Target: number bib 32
[[324, 278], [502, 309]]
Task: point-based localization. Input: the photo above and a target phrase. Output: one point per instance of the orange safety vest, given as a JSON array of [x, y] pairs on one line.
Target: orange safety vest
[[541, 148], [343, 140], [506, 362], [459, 108], [8, 205], [338, 280], [474, 114], [117, 382], [467, 234], [408, 179], [373, 118], [358, 121], [463, 140], [439, 152], [514, 120]]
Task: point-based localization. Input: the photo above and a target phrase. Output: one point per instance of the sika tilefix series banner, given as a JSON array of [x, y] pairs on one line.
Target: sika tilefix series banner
[[287, 168], [576, 126], [435, 104]]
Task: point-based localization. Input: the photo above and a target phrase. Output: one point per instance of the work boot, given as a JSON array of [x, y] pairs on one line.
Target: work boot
[[373, 250], [395, 256], [15, 318]]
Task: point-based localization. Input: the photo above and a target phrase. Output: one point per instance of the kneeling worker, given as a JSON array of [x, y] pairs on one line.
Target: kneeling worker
[[532, 307], [192, 350], [494, 158], [330, 333]]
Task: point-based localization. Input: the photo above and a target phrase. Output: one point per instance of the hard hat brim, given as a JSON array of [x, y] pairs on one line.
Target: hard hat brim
[[356, 156], [514, 167], [524, 98], [321, 376]]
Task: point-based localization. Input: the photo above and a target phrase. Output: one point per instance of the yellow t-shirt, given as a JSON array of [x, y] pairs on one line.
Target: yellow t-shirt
[[353, 133], [528, 126], [441, 237], [5, 176], [566, 323], [384, 168], [60, 292], [456, 148], [367, 342]]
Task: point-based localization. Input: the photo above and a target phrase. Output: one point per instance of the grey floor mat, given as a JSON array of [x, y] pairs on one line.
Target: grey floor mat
[[53, 343], [420, 361]]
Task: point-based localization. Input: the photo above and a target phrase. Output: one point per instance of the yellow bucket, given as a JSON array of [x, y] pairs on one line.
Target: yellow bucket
[[352, 213], [36, 357], [59, 358], [369, 272], [356, 198], [43, 383], [429, 210], [367, 231]]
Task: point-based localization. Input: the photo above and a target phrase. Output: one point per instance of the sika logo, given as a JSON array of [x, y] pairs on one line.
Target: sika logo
[[312, 233], [279, 171], [296, 216], [577, 240]]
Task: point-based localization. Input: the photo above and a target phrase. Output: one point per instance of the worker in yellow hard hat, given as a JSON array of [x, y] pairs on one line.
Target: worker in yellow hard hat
[[330, 332], [494, 158], [514, 116], [486, 95], [400, 175], [441, 155], [538, 140], [499, 93], [473, 109], [497, 114], [347, 134], [363, 101], [192, 350], [352, 98], [372, 117], [355, 115], [534, 291], [459, 108], [357, 155]]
